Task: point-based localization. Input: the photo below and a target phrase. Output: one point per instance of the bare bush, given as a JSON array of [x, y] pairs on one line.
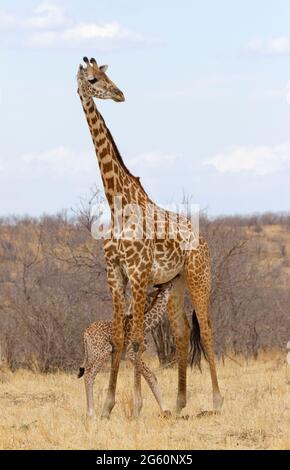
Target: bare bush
[[248, 309], [53, 284]]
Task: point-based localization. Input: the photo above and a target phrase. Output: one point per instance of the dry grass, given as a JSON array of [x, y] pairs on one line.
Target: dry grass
[[48, 411]]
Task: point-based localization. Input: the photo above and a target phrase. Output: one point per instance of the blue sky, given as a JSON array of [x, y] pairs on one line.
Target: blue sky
[[207, 109]]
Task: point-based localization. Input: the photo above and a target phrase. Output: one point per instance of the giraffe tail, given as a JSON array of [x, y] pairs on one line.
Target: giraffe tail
[[81, 372], [196, 345], [83, 366]]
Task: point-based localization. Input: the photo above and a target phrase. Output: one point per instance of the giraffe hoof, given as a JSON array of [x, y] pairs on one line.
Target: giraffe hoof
[[184, 417], [91, 414], [137, 409], [136, 414], [91, 417], [181, 403], [218, 403], [166, 414], [206, 413]]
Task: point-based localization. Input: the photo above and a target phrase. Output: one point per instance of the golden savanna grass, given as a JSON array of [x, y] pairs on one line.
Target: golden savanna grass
[[41, 411]]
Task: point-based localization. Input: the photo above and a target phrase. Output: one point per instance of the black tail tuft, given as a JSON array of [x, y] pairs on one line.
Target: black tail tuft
[[81, 372], [196, 346]]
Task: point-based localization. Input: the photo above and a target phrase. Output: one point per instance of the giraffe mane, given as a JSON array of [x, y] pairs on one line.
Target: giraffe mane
[[120, 158]]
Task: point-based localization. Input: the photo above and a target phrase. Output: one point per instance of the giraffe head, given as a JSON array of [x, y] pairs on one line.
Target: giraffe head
[[94, 83]]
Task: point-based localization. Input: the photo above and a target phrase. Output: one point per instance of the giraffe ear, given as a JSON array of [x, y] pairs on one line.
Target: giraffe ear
[[103, 68]]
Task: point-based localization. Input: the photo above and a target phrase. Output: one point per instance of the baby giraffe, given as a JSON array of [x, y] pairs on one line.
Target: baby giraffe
[[98, 348]]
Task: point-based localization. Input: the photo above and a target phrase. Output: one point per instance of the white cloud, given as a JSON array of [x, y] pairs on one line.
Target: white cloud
[[7, 20], [274, 46], [79, 33], [59, 160], [48, 25], [56, 161], [63, 160], [46, 15], [42, 39], [262, 160], [151, 160], [94, 31], [267, 93]]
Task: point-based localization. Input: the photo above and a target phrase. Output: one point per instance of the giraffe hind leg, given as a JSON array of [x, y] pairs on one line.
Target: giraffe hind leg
[[197, 272], [92, 367], [181, 332]]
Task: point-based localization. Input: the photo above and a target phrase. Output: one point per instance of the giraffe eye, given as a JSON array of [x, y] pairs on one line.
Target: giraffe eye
[[93, 80]]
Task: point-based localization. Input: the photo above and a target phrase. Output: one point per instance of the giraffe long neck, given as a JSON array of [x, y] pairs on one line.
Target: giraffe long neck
[[117, 179], [154, 315]]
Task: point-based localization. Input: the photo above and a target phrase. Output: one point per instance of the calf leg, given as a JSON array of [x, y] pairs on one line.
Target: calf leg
[[90, 373], [140, 368]]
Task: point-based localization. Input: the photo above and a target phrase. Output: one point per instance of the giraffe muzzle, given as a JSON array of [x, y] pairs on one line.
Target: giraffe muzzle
[[119, 96]]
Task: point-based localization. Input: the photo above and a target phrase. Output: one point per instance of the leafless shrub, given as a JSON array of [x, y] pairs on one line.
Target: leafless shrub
[[53, 283], [248, 304]]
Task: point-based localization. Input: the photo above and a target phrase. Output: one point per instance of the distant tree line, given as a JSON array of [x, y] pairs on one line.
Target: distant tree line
[[53, 284]]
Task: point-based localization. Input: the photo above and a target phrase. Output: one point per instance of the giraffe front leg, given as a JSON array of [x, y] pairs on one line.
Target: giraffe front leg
[[117, 287], [139, 295]]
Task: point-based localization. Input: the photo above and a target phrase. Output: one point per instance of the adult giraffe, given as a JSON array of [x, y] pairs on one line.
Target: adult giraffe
[[153, 257]]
